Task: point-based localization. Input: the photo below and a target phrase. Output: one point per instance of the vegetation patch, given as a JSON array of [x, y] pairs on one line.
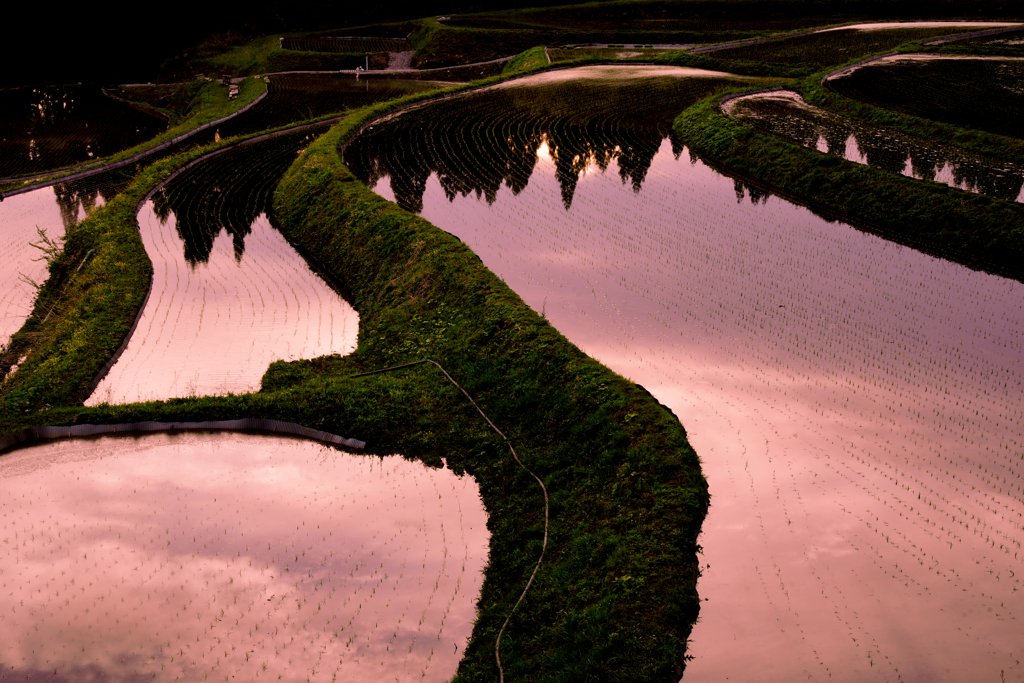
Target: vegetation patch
[[974, 230]]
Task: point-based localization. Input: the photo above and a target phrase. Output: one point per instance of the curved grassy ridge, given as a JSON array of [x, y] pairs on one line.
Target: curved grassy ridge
[[974, 230], [211, 103], [615, 598]]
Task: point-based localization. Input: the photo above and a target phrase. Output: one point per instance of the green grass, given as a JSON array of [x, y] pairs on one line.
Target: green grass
[[173, 101], [974, 230], [530, 59]]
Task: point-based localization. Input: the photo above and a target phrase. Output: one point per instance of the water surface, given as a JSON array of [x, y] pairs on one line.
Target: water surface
[[200, 557], [229, 294], [43, 128], [786, 115], [856, 404]]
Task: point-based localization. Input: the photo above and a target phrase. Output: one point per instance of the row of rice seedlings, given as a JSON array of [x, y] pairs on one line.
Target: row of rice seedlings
[[786, 115], [229, 294], [980, 94], [205, 557], [343, 44], [49, 127], [855, 403]]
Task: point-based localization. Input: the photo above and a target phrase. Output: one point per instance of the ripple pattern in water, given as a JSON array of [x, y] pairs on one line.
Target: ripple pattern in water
[[200, 557], [856, 404], [229, 294]]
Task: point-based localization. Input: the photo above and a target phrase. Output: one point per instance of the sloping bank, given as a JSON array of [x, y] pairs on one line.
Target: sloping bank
[[615, 597], [974, 230]]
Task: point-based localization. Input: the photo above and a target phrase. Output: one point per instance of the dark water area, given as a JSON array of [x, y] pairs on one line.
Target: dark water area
[[229, 294], [591, 118], [984, 94], [855, 403], [50, 127], [294, 98], [784, 114], [205, 556]]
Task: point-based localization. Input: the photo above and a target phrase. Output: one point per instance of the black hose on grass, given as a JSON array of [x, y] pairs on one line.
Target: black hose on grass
[[497, 644]]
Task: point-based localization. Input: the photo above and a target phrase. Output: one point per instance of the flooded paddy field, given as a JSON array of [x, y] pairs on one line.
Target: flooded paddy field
[[206, 556], [786, 115], [229, 294], [856, 403], [984, 94], [49, 127]]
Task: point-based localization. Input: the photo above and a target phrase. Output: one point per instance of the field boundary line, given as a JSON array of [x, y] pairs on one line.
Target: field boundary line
[[124, 162], [547, 505], [31, 435]]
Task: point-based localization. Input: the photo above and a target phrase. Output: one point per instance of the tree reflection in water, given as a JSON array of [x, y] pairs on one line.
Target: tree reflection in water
[[785, 115], [581, 124]]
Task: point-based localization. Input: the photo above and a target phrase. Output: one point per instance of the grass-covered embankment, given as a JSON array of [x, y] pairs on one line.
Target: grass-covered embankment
[[615, 597], [210, 102], [982, 233]]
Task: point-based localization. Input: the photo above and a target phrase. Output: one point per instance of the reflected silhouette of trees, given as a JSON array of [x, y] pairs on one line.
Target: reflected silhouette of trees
[[880, 148], [480, 142], [227, 192]]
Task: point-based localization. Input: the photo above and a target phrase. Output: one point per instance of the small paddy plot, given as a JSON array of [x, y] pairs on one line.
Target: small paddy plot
[[785, 115], [855, 403], [202, 557], [229, 294], [46, 128], [973, 92]]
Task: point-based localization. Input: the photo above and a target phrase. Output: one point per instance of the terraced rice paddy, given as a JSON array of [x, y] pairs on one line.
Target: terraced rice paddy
[[229, 294], [840, 45], [206, 557], [50, 127], [856, 404], [786, 115], [980, 93]]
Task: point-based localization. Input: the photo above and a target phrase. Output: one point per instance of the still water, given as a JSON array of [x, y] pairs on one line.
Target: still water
[[229, 294], [786, 115], [208, 556], [44, 128], [856, 404]]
